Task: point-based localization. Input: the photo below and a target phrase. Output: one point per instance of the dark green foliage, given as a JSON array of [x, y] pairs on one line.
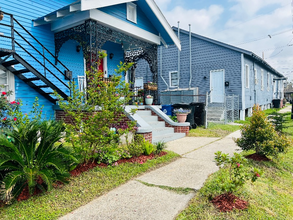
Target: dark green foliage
[[33, 159], [261, 136], [279, 121], [237, 170], [135, 148], [160, 146]]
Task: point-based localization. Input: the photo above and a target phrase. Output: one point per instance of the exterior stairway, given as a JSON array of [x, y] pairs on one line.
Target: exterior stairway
[[215, 115], [159, 131]]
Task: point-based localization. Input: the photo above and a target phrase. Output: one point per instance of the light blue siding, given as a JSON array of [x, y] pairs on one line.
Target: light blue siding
[[119, 11], [25, 11]]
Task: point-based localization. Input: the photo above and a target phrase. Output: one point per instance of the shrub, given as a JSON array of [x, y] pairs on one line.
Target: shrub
[[160, 146], [279, 121], [148, 147], [136, 147], [260, 135], [33, 159], [95, 113], [237, 169]]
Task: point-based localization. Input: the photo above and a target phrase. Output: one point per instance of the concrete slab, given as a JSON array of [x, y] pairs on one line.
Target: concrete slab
[[184, 172], [188, 144], [133, 200]]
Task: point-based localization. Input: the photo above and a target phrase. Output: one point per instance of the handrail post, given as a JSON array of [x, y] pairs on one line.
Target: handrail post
[[12, 33]]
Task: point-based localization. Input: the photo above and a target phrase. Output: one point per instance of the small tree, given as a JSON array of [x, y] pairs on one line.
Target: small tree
[[261, 136], [95, 113]]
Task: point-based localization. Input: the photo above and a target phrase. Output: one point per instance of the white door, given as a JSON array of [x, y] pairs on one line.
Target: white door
[[217, 86]]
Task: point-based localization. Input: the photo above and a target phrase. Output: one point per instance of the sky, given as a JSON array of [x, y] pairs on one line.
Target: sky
[[264, 27]]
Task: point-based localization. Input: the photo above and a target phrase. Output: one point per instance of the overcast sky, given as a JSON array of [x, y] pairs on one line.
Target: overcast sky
[[256, 25]]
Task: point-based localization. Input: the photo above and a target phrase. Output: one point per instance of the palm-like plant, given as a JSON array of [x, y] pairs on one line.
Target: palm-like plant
[[33, 155]]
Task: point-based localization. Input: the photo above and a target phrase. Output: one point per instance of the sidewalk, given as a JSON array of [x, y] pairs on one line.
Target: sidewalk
[[286, 109], [135, 200]]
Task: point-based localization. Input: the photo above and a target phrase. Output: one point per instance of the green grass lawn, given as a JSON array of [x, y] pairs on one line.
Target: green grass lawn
[[213, 130], [270, 197], [80, 190]]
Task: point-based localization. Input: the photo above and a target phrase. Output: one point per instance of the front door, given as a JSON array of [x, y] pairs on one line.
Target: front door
[[217, 86]]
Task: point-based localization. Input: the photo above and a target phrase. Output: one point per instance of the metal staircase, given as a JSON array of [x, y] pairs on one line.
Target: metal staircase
[[30, 61]]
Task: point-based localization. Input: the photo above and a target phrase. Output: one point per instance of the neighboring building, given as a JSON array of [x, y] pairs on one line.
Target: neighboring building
[[218, 69], [288, 92], [45, 44]]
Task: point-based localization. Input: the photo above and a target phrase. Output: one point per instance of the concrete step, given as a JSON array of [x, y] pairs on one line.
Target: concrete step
[[168, 137], [162, 131], [143, 113], [149, 118], [156, 124]]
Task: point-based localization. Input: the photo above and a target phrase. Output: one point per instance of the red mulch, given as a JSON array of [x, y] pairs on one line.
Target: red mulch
[[227, 202], [24, 195], [257, 157]]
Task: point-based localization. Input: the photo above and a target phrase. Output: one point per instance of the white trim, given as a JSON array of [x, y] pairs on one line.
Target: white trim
[[123, 26], [164, 22], [10, 83], [268, 81], [170, 79], [76, 7], [262, 80], [247, 76], [242, 117], [130, 6], [91, 4], [105, 65]]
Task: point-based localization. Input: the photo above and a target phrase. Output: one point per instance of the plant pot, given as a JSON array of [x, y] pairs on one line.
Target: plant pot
[[181, 118], [148, 101], [1, 15]]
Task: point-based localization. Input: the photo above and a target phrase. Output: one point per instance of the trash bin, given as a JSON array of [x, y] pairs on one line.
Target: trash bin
[[276, 103], [167, 109], [190, 117], [199, 112]]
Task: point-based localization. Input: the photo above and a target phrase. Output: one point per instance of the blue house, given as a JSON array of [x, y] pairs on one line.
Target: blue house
[[45, 44], [219, 70]]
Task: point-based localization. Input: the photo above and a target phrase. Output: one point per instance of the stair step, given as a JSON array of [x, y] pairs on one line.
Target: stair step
[[10, 63], [150, 118], [18, 72], [31, 79], [162, 131], [43, 86], [168, 137], [144, 113], [156, 124]]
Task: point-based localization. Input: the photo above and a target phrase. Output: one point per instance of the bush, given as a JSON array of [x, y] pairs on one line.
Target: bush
[[237, 169], [260, 135], [148, 147], [160, 146], [97, 112], [136, 147], [33, 159]]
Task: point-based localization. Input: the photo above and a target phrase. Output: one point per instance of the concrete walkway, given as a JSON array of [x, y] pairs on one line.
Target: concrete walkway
[[136, 200], [286, 109]]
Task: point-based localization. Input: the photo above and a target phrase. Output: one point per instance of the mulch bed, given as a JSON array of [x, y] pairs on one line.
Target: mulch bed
[[140, 159], [24, 195], [227, 202], [257, 157]]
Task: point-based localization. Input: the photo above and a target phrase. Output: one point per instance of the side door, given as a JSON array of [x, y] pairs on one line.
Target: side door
[[217, 86]]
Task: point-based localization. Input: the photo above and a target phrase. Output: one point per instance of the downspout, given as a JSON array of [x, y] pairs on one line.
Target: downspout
[[254, 91], [178, 57], [190, 60], [161, 70]]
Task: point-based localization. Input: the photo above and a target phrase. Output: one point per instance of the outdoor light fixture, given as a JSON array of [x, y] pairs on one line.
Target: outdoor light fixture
[[111, 55], [78, 47], [1, 15]]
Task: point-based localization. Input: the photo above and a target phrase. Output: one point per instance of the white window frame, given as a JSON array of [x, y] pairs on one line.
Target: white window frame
[[262, 79], [170, 79], [9, 85], [255, 76], [247, 76], [268, 81], [131, 8]]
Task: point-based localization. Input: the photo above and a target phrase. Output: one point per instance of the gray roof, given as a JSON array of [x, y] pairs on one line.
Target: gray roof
[[240, 50]]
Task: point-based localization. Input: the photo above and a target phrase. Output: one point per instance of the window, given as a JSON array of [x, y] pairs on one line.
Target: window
[[255, 77], [246, 76], [174, 79], [268, 81], [7, 83], [262, 83], [131, 12]]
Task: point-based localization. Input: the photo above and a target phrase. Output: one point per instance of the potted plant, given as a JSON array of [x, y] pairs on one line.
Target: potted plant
[[148, 100], [181, 114], [140, 100]]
